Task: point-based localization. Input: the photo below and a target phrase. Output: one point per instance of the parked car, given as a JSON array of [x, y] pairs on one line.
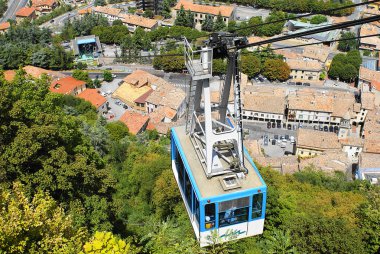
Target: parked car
[[275, 136], [273, 125], [114, 75], [306, 84], [288, 153], [279, 125], [320, 127], [287, 137], [273, 142], [298, 83], [265, 142], [292, 83], [289, 126], [326, 128], [294, 127], [268, 125], [292, 139], [331, 129], [283, 145], [315, 127], [103, 94]]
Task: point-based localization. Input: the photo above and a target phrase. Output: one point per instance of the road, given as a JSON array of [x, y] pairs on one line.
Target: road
[[13, 7], [244, 13], [356, 15], [60, 20]]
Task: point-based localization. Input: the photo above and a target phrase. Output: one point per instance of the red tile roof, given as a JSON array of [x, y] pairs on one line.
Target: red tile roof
[[65, 85], [4, 26], [376, 84], [9, 75], [93, 96], [134, 121], [25, 12], [225, 11], [37, 3]]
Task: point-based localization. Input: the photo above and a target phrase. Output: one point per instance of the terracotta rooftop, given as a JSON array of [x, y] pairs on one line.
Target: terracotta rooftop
[[368, 29], [306, 65], [342, 106], [319, 53], [264, 103], [85, 11], [368, 75], [141, 78], [225, 11], [25, 12], [372, 146], [369, 160], [134, 121], [288, 54], [65, 85], [138, 20], [9, 75], [311, 103], [36, 72], [368, 100], [375, 84], [330, 162], [93, 96], [352, 141], [38, 3], [317, 140], [167, 95], [4, 26], [143, 97], [107, 10]]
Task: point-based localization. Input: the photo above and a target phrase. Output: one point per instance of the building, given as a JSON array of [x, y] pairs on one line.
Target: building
[[369, 81], [85, 11], [353, 146], [202, 11], [329, 162], [134, 21], [369, 43], [295, 26], [98, 101], [262, 107], [135, 122], [44, 7], [311, 143], [87, 49], [111, 14], [369, 167], [4, 27], [304, 70], [152, 5], [26, 13], [319, 53], [170, 98], [68, 86], [310, 108]]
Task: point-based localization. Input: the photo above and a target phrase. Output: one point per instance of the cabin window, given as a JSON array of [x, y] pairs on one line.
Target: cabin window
[[188, 190], [209, 216], [180, 169], [196, 207], [233, 211], [257, 205]]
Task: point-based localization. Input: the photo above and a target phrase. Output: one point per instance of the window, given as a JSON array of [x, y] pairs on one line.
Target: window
[[233, 211], [196, 207], [309, 153], [188, 190], [257, 205], [180, 169], [209, 216], [262, 115], [301, 152]]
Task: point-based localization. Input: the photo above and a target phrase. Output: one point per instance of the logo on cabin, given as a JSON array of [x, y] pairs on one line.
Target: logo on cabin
[[231, 234]]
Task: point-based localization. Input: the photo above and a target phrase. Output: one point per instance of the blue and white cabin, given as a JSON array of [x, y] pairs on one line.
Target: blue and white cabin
[[232, 205]]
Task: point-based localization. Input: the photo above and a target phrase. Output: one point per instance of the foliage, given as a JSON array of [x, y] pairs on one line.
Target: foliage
[[105, 242], [148, 14], [279, 242], [107, 76], [250, 65], [275, 28], [347, 44], [276, 69], [345, 67], [3, 7], [35, 226], [219, 66], [184, 18], [100, 2], [117, 22], [318, 19], [82, 75], [219, 24], [208, 24], [166, 10], [83, 26]]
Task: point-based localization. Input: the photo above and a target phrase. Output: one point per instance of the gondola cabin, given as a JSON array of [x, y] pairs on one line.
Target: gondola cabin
[[230, 205]]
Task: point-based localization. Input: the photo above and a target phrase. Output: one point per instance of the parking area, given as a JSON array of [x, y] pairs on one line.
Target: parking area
[[115, 106], [277, 145], [244, 13]]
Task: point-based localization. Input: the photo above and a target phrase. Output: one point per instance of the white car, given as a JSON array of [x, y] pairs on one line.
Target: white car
[[103, 94]]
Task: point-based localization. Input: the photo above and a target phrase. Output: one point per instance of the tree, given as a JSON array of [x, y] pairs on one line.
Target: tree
[[148, 14], [250, 65], [208, 23], [166, 10], [345, 67], [276, 69], [274, 28], [117, 22], [181, 19], [105, 242], [318, 19], [100, 2], [219, 66], [348, 44], [107, 76], [219, 24], [279, 242], [36, 226], [189, 19], [83, 75]]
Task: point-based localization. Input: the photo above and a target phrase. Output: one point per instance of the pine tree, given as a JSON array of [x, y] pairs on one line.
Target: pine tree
[[208, 24], [189, 19], [219, 24], [181, 19], [166, 11]]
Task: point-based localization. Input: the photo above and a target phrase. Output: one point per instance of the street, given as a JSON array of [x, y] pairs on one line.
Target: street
[[13, 7]]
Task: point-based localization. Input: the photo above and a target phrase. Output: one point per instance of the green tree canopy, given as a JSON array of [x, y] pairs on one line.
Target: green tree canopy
[[208, 24], [348, 44], [276, 69], [219, 24], [250, 65], [318, 19]]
